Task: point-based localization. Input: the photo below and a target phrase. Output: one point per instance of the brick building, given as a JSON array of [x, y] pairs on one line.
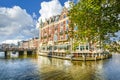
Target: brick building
[[25, 44], [54, 34], [33, 43], [55, 40], [29, 44]]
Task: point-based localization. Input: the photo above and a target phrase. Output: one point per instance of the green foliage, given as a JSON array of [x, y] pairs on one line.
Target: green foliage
[[75, 45], [114, 47], [68, 51], [97, 20]]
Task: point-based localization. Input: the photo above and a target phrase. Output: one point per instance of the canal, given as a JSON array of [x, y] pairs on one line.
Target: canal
[[43, 68]]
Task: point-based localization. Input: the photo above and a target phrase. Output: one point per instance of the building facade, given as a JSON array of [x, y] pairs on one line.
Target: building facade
[[25, 44], [54, 34], [5, 45], [33, 43], [55, 39], [29, 44]]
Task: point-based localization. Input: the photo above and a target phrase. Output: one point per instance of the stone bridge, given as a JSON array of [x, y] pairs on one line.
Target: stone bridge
[[21, 51]]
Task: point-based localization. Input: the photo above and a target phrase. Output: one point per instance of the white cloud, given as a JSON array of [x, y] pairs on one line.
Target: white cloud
[[67, 4], [37, 25], [11, 41], [49, 9], [34, 15], [14, 22]]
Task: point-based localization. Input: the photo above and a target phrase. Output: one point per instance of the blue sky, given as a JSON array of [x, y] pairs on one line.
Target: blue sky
[[30, 5], [18, 18]]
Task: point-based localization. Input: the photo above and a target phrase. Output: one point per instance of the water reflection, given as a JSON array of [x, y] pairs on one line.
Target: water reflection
[[36, 67]]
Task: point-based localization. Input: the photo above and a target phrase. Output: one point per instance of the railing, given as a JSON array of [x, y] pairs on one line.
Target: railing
[[18, 49]]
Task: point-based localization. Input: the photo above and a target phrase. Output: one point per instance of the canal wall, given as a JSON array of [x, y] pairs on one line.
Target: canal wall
[[82, 58]]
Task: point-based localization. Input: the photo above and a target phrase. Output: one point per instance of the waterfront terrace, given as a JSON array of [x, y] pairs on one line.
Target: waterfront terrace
[[56, 41]]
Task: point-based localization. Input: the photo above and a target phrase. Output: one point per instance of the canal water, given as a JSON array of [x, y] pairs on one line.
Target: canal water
[[43, 68]]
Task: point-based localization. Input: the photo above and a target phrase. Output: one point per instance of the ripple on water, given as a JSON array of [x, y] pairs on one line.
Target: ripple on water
[[43, 68]]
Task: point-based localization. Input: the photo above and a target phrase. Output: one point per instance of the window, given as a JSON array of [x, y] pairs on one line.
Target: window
[[56, 27], [55, 37], [87, 48], [77, 48], [64, 16], [55, 47], [66, 36], [81, 48], [67, 28], [61, 29], [61, 23], [61, 37], [43, 48], [67, 22], [50, 47]]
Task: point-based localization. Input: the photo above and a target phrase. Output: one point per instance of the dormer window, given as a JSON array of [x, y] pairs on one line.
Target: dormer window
[[64, 16], [56, 18]]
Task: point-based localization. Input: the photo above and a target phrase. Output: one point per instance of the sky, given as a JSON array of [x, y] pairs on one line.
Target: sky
[[19, 18]]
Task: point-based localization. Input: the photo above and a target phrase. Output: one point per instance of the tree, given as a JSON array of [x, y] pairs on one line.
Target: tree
[[97, 20]]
